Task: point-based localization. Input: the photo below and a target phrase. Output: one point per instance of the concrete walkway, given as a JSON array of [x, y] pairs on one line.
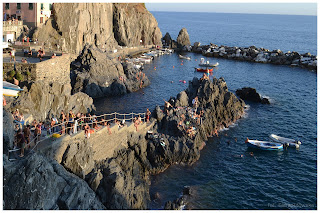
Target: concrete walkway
[[103, 144]]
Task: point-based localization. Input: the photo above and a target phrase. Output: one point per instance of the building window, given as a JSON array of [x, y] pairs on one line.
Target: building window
[[7, 6], [41, 20], [50, 6], [30, 6], [18, 6], [42, 6]]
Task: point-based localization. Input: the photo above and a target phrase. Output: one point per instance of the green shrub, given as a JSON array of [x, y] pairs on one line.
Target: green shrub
[[28, 73], [19, 76], [11, 73]]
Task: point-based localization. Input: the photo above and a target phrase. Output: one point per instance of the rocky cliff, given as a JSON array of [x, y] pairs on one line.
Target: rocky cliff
[[104, 25], [43, 100], [38, 183], [132, 23], [98, 75]]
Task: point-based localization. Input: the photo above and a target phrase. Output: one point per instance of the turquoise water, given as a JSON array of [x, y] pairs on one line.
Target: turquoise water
[[221, 179]]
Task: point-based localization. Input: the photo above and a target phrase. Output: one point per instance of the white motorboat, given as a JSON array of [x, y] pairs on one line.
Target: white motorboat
[[184, 57], [283, 140], [207, 64]]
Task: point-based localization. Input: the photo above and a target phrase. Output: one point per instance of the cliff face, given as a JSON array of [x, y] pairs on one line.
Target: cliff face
[[43, 100], [132, 23], [101, 24]]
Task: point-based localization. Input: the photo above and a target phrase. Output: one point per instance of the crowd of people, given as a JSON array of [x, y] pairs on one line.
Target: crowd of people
[[190, 117], [67, 123]]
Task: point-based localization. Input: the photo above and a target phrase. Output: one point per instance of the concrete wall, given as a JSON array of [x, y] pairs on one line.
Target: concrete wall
[[51, 70]]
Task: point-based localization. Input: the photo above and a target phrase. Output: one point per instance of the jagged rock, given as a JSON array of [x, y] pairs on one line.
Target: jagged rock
[[265, 101], [8, 131], [182, 99], [250, 94], [78, 158], [104, 25], [97, 75], [39, 183], [183, 38], [121, 182], [133, 22], [92, 22], [166, 40], [43, 100]]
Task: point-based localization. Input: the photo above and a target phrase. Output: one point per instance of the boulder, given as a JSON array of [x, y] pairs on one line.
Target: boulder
[[250, 94], [182, 99], [43, 100], [95, 74], [166, 40], [183, 38], [37, 183]]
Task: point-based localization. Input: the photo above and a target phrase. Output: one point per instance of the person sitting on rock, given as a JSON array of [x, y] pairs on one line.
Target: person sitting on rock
[[195, 103], [23, 60], [109, 129], [29, 52], [136, 123], [53, 55], [167, 106]]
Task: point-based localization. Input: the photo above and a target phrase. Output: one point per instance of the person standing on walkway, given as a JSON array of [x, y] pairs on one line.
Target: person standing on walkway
[[21, 142], [148, 113], [13, 55], [27, 133]]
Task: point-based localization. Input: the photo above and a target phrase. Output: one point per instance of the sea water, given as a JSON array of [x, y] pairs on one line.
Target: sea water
[[221, 179]]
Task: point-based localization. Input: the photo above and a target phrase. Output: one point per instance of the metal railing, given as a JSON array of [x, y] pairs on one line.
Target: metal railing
[[62, 128]]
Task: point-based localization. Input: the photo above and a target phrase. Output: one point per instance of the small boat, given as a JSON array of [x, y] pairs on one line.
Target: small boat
[[10, 89], [264, 145], [204, 70], [207, 64], [282, 140], [184, 57]]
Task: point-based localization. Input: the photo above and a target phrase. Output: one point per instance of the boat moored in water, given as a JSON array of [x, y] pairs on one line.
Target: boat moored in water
[[184, 57], [283, 140], [204, 70], [207, 64], [264, 145]]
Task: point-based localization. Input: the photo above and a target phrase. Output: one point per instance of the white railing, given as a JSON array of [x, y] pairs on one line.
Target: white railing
[[62, 129]]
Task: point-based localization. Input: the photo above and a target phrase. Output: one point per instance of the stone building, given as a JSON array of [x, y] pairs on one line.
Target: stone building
[[15, 15], [32, 14]]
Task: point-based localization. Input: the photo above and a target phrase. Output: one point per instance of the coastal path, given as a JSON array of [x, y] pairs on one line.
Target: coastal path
[[102, 142]]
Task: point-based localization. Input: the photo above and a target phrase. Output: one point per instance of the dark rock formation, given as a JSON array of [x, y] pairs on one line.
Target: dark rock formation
[[183, 38], [250, 94], [78, 158], [97, 75], [166, 40], [120, 182], [8, 131], [43, 100], [37, 183], [104, 25], [132, 22]]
